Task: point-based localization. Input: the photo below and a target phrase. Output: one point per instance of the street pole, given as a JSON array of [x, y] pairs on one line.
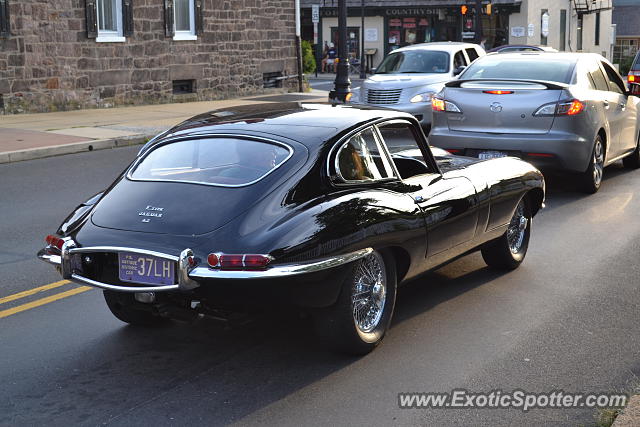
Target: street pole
[[478, 9], [363, 73], [299, 47], [342, 86]]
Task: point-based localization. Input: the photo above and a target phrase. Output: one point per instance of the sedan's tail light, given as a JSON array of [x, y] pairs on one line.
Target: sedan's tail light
[[54, 241], [562, 108], [498, 92], [439, 104], [633, 77], [238, 261]]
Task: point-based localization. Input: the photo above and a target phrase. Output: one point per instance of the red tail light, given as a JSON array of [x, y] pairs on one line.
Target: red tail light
[[239, 261], [562, 108], [632, 79], [498, 92], [574, 108], [54, 241]]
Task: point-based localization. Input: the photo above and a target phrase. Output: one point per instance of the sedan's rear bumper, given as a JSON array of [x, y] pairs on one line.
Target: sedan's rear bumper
[[553, 150]]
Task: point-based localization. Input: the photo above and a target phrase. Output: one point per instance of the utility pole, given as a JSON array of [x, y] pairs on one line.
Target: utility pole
[[341, 92], [478, 10], [299, 47]]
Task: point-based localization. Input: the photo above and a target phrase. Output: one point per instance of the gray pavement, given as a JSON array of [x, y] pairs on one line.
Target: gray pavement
[[567, 319]]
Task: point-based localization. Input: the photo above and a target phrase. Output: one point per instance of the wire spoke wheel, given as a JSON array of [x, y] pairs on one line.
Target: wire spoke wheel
[[369, 292], [517, 229]]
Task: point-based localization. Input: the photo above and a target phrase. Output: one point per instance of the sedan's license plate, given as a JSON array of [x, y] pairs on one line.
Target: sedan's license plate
[[145, 269], [485, 155]]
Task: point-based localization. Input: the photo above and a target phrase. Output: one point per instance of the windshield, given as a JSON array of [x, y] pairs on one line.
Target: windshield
[[415, 61], [215, 161], [535, 67]]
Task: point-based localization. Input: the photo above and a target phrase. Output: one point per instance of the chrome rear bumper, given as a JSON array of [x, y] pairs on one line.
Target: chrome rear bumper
[[189, 277]]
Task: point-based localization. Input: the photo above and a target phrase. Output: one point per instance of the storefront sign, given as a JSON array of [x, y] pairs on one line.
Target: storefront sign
[[517, 32], [411, 11], [424, 22], [395, 22], [468, 34], [371, 35]]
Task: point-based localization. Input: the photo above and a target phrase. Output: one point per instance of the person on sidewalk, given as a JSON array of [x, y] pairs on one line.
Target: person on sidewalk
[[332, 54], [325, 56]]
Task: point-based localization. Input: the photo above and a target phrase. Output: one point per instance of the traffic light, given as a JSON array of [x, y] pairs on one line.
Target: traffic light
[[464, 9], [489, 9]]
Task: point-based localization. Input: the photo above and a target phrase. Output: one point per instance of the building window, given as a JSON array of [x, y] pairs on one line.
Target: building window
[[184, 20], [597, 38], [4, 18], [109, 20]]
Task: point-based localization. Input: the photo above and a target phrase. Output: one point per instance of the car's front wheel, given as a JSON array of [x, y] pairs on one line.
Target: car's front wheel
[[124, 306], [359, 319], [508, 251], [592, 177]]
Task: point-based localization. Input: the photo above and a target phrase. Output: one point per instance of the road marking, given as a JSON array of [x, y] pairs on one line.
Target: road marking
[[43, 301], [33, 291]]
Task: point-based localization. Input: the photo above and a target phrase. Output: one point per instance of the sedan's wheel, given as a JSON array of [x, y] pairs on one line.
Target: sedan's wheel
[[632, 161], [508, 251], [592, 177], [357, 322], [123, 306]]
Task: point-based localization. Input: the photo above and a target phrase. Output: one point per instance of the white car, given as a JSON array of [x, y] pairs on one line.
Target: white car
[[407, 78]]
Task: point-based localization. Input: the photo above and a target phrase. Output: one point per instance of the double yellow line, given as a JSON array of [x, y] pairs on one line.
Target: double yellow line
[[41, 301]]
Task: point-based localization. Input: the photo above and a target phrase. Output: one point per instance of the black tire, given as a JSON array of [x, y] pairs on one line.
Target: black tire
[[591, 179], [337, 324], [123, 307], [502, 254], [632, 161]]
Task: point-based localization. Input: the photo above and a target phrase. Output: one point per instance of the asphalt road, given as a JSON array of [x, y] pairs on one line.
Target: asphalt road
[[567, 319]]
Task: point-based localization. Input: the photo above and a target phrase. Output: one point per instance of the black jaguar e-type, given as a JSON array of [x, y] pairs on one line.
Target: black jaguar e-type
[[324, 207]]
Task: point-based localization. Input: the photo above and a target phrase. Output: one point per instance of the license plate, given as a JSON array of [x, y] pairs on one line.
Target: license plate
[[145, 269], [485, 155]]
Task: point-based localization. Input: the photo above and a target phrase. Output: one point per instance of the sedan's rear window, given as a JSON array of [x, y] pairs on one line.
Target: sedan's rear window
[[216, 161], [535, 67]]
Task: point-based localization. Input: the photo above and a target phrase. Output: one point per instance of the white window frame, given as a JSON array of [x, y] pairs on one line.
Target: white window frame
[[186, 35], [110, 36]]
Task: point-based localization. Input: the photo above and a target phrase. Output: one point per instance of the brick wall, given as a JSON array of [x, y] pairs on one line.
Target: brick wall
[[49, 64]]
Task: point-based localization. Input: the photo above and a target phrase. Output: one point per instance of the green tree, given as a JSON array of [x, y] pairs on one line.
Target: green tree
[[308, 59]]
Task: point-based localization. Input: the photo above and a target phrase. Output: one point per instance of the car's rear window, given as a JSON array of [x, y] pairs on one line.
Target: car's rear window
[[215, 161], [636, 63], [415, 61], [527, 68]]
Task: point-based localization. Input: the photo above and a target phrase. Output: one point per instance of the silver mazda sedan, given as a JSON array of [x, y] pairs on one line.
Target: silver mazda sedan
[[567, 111]]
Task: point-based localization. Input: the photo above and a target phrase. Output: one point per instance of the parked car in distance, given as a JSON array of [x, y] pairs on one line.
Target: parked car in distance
[[406, 78], [327, 208], [521, 48], [564, 111], [634, 72]]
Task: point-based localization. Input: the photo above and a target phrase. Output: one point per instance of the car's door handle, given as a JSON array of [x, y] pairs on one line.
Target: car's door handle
[[606, 104]]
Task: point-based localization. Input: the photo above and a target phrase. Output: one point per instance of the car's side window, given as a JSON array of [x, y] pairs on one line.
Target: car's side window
[[472, 54], [615, 82], [459, 60], [362, 158], [598, 78], [401, 141]]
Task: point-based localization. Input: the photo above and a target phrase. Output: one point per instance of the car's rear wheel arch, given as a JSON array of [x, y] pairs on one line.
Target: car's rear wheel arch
[[535, 197], [402, 260], [605, 141]]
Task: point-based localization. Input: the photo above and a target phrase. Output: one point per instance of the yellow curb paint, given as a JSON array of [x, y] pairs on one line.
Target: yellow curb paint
[[33, 291], [43, 301]]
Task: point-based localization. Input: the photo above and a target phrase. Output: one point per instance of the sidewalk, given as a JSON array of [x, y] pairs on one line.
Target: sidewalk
[[33, 136]]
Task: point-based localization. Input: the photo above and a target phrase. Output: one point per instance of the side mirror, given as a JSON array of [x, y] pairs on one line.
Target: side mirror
[[459, 70]]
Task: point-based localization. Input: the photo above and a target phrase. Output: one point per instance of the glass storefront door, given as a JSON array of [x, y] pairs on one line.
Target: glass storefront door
[[353, 41]]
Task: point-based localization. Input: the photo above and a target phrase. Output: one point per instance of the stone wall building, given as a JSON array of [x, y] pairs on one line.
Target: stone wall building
[[70, 54]]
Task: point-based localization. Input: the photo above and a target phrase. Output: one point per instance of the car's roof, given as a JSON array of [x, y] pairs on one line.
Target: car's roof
[[568, 56], [443, 46], [295, 120]]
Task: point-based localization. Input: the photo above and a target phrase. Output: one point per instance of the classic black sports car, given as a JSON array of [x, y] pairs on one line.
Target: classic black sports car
[[319, 206]]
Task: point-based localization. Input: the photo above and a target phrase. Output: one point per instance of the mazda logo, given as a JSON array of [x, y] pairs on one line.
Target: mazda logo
[[496, 107]]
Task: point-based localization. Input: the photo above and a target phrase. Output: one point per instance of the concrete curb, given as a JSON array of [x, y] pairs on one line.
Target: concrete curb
[[78, 147], [630, 417]]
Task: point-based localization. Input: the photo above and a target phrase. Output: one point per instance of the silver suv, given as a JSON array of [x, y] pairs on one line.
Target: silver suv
[[408, 77]]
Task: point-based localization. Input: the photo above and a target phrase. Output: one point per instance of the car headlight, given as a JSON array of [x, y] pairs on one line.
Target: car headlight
[[422, 97]]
